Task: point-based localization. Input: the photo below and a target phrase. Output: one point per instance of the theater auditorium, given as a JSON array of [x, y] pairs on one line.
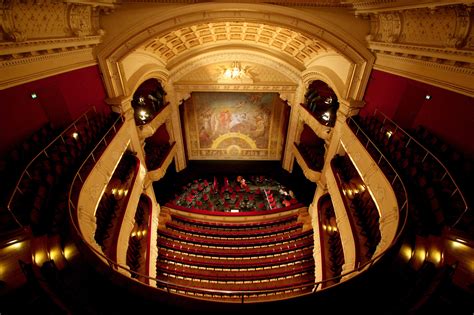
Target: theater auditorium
[[220, 157]]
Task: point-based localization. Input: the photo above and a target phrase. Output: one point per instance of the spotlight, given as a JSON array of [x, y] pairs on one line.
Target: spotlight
[[34, 95], [326, 116], [427, 97], [328, 100]]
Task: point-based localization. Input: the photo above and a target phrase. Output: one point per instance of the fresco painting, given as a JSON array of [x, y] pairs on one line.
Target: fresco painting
[[229, 125]]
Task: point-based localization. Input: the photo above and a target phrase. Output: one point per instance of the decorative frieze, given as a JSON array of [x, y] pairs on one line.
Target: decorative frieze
[[26, 20], [440, 38], [447, 26], [31, 30]]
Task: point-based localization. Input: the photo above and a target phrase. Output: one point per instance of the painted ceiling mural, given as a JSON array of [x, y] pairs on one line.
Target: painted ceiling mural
[[234, 126]]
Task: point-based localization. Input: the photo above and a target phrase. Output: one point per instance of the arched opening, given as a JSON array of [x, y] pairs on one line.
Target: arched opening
[[322, 102], [147, 101]]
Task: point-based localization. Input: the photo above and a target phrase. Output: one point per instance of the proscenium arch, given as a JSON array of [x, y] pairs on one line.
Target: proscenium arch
[[327, 32]]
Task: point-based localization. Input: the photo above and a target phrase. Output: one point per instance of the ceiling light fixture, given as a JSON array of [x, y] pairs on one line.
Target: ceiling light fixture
[[234, 74]]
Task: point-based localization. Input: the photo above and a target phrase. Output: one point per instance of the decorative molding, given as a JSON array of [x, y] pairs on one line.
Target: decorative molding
[[434, 45], [186, 88], [32, 32], [289, 71], [440, 27], [19, 71], [432, 53], [364, 7], [298, 21], [169, 46], [25, 20], [14, 50], [446, 76], [298, 3]]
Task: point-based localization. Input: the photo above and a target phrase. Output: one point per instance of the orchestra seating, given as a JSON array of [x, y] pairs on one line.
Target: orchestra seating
[[40, 199], [270, 254], [434, 200]]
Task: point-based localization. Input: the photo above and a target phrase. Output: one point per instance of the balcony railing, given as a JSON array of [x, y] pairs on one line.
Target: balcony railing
[[43, 153], [428, 154], [240, 296]]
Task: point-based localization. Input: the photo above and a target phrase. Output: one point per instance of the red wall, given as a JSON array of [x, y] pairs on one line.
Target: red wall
[[447, 114], [61, 99]]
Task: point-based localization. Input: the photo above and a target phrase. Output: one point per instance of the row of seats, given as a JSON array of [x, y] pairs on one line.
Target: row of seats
[[331, 239], [105, 214], [346, 170], [367, 219], [13, 163], [458, 164], [197, 249], [110, 210], [155, 154], [226, 226], [40, 200], [336, 256], [433, 201], [138, 244], [281, 286], [360, 206], [125, 168], [134, 256], [236, 262], [225, 241], [233, 233], [236, 274], [313, 154], [227, 256]]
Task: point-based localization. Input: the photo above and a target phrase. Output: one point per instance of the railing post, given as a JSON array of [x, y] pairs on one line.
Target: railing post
[[426, 155]]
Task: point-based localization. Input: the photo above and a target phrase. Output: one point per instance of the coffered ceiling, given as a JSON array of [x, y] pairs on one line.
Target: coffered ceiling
[[188, 41]]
